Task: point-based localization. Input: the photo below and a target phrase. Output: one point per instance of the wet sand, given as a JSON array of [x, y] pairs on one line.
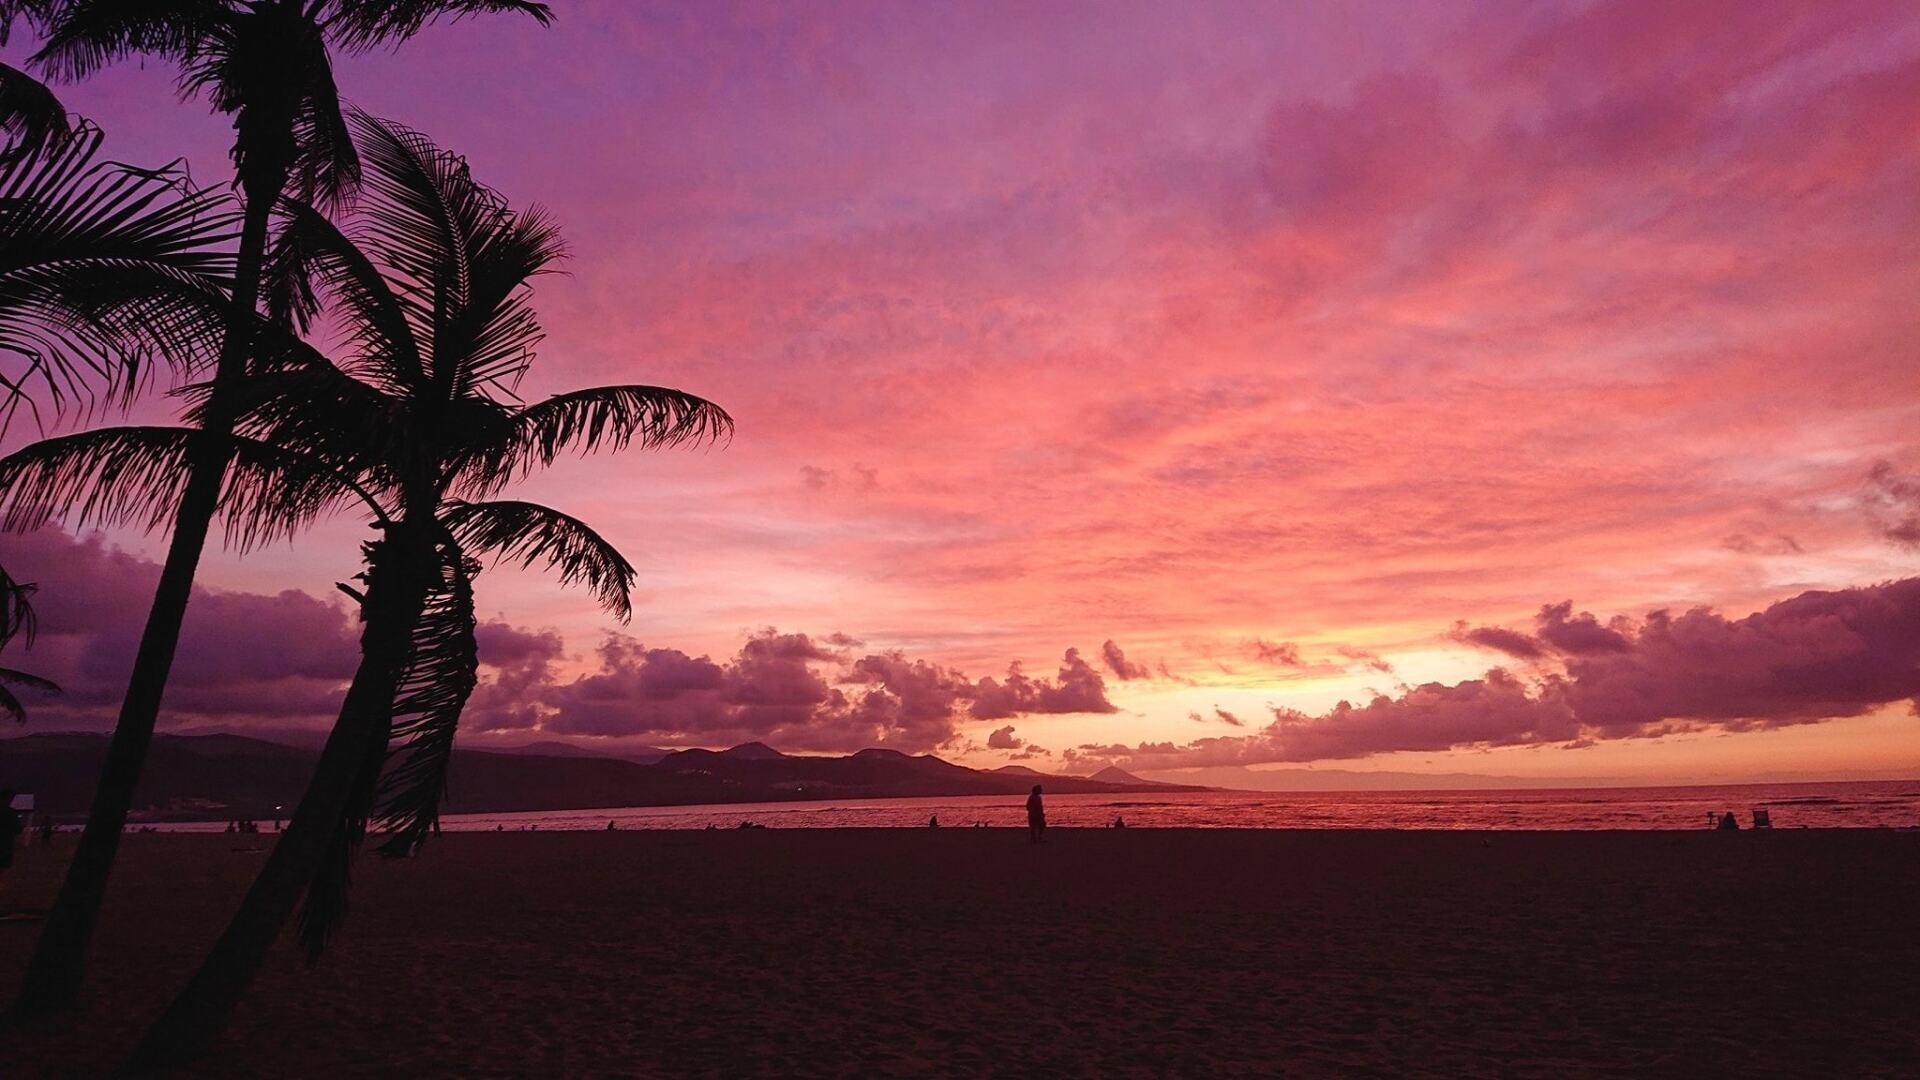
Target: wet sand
[[968, 952]]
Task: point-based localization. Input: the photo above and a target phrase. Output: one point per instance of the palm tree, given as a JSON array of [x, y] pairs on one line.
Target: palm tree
[[267, 64], [432, 290], [101, 264], [102, 268]]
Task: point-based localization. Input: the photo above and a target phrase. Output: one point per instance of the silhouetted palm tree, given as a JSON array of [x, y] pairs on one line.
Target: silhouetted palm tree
[[266, 63], [102, 268], [432, 290]]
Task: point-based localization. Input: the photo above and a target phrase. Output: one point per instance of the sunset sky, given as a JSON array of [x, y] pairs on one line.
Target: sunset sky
[[1520, 374]]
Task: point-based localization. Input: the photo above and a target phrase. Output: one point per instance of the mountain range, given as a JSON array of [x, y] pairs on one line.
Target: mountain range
[[217, 777]]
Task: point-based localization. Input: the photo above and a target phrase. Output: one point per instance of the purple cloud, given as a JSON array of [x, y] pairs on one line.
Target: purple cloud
[[1118, 663], [1813, 657]]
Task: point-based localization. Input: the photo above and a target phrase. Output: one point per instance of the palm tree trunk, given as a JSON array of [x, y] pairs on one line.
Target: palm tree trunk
[[59, 958], [394, 600]]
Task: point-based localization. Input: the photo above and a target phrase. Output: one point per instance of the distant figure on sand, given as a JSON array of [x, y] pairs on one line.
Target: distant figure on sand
[[9, 829], [1119, 822], [1036, 816], [933, 822], [1728, 821]]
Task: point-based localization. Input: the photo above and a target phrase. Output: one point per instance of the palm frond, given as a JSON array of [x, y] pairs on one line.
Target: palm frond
[[530, 533], [32, 682], [313, 261], [33, 12], [490, 338], [17, 619], [454, 253], [102, 268], [10, 704], [324, 416], [359, 25], [326, 170], [423, 208], [135, 476], [440, 676], [83, 36], [30, 113], [602, 417]]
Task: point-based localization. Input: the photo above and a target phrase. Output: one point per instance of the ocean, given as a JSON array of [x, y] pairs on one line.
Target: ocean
[[1861, 804]]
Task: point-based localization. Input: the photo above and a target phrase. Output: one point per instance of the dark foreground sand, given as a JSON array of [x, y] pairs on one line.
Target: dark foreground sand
[[964, 952]]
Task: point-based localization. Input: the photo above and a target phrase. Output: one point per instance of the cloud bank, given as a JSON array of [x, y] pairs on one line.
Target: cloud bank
[[244, 659], [1816, 656], [278, 663], [788, 689]]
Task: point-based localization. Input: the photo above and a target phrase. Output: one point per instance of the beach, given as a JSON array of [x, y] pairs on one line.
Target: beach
[[965, 952]]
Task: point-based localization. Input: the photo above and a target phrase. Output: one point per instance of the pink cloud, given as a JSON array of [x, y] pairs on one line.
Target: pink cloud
[[1280, 654]]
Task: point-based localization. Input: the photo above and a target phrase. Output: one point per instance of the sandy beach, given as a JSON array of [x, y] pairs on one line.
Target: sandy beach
[[969, 952]]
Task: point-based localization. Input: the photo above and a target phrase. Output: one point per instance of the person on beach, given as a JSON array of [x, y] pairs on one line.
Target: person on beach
[[1728, 822], [10, 828], [1036, 817]]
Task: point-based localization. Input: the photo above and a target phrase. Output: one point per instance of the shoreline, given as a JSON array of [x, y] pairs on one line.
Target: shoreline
[[1870, 804]]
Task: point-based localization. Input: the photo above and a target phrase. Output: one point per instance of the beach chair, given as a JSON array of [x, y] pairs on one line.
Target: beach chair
[[1762, 820]]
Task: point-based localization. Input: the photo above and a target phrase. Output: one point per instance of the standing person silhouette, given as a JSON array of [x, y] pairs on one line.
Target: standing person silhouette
[[1036, 817]]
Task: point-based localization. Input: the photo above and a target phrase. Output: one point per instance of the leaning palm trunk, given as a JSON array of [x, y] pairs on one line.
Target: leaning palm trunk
[[402, 573], [59, 959]]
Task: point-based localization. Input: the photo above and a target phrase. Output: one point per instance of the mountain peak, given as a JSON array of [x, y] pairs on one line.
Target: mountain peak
[[753, 751], [1114, 774]]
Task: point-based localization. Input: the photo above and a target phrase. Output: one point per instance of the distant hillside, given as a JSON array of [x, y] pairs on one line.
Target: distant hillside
[[215, 777], [642, 755]]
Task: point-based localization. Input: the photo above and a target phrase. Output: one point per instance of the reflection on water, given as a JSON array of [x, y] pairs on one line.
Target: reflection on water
[[1837, 805]]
